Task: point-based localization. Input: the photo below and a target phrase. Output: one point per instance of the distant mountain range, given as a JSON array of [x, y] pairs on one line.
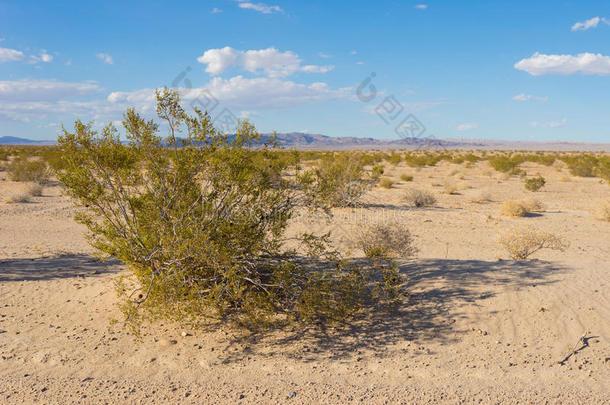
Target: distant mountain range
[[299, 140]]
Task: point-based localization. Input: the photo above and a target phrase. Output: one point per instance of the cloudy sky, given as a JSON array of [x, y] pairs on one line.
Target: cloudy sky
[[500, 69]]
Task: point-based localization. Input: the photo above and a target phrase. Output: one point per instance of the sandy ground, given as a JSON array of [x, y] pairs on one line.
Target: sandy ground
[[476, 327]]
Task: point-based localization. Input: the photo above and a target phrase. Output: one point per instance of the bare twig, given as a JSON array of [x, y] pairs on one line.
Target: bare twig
[[574, 349]]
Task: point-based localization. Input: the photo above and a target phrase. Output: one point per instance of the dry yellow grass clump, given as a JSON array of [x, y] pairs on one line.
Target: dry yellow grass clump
[[480, 197], [450, 187], [419, 198], [520, 208], [386, 240], [17, 196], [602, 210], [521, 243]]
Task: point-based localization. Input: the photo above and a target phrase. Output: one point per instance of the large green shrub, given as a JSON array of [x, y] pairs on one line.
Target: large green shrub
[[200, 222]]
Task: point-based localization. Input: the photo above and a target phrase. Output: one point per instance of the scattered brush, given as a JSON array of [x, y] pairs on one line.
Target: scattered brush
[[406, 177], [449, 187], [17, 196], [532, 205], [521, 243], [386, 182], [521, 208], [535, 183], [513, 208], [34, 189], [386, 241], [419, 198], [480, 197]]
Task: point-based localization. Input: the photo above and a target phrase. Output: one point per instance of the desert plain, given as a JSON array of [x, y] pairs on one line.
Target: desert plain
[[475, 326]]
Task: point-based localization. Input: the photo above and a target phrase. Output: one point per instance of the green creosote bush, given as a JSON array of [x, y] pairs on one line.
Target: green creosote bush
[[338, 181], [200, 222], [406, 177], [29, 170], [535, 183], [377, 171]]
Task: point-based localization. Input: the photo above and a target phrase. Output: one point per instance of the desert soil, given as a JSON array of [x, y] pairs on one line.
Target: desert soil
[[476, 326]]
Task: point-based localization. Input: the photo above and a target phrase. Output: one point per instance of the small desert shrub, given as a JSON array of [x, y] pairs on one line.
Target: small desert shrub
[[419, 198], [602, 210], [512, 208], [377, 171], [17, 196], [201, 223], [339, 181], [406, 177], [386, 241], [24, 169], [394, 159], [450, 187], [535, 183], [521, 243], [386, 182], [480, 197], [34, 189], [565, 179], [505, 164], [532, 205]]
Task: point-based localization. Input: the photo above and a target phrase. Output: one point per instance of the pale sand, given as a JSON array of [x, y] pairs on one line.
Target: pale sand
[[475, 329]]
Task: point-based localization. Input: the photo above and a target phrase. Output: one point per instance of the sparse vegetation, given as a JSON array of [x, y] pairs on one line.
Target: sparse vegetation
[[29, 170], [480, 197], [339, 181], [19, 195], [532, 205], [419, 198], [512, 208], [34, 189], [521, 243], [386, 182], [406, 177], [386, 241], [450, 187], [535, 183]]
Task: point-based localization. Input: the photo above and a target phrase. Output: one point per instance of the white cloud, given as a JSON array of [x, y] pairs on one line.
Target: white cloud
[[467, 126], [26, 101], [13, 55], [353, 52], [260, 7], [216, 10], [590, 23], [527, 97], [550, 124], [421, 6], [45, 90], [270, 61], [317, 69], [359, 63], [10, 55], [324, 55], [583, 63], [106, 58]]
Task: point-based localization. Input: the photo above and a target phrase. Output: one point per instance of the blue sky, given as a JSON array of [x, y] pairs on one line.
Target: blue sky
[[471, 69]]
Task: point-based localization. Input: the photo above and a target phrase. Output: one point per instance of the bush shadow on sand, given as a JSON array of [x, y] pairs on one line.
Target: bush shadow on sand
[[438, 290], [55, 267]]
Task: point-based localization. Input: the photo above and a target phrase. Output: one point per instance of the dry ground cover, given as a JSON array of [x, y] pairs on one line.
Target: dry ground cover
[[476, 325]]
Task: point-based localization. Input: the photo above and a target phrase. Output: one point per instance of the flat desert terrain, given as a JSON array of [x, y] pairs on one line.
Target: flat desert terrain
[[476, 326]]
